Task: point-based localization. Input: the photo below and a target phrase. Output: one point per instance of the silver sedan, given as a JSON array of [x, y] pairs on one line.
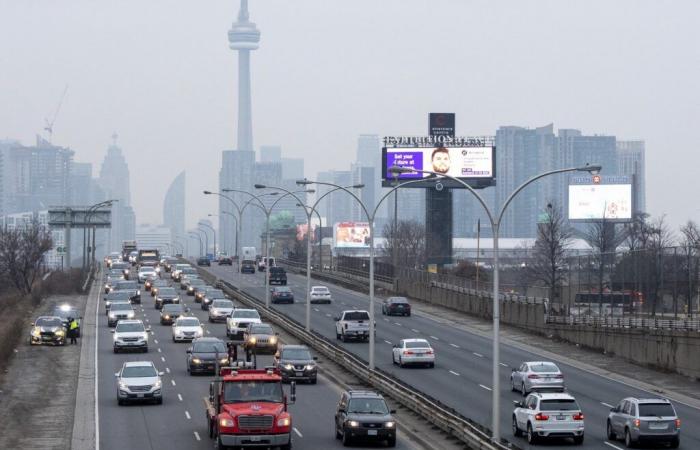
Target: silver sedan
[[537, 376]]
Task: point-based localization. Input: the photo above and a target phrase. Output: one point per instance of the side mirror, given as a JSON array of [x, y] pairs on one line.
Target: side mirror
[[293, 390], [277, 334], [341, 410], [189, 350], [112, 331], [116, 374], [393, 411], [148, 329], [520, 404], [336, 318], [315, 358]]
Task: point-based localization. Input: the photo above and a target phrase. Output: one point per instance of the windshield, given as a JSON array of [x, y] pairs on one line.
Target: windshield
[[417, 344], [129, 327], [147, 269], [320, 289], [559, 405], [283, 289], [196, 282], [172, 308], [188, 323], [242, 314], [63, 314], [209, 347], [222, 304], [277, 270], [367, 406], [253, 391], [49, 323], [138, 372], [396, 300], [118, 295], [359, 315], [655, 410], [167, 291], [539, 368], [127, 285], [261, 329], [214, 293], [120, 306], [296, 354]]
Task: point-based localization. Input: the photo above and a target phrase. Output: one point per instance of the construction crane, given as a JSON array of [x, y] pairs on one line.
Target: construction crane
[[49, 124]]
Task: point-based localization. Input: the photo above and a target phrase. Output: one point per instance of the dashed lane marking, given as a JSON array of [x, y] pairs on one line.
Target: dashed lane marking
[[187, 414], [173, 382], [454, 373], [160, 351], [606, 405], [388, 342], [297, 432], [436, 338], [485, 387], [196, 436], [414, 330], [477, 354], [612, 445], [503, 364], [208, 332], [155, 341], [398, 324], [179, 397], [328, 315], [162, 358], [455, 345], [316, 309]]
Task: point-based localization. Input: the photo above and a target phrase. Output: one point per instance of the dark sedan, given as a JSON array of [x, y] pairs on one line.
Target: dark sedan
[[225, 261], [166, 296], [170, 312], [296, 363], [282, 295], [203, 262], [393, 306], [248, 266], [202, 356]]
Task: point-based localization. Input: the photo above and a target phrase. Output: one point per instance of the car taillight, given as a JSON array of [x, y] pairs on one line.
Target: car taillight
[[407, 352], [678, 423], [578, 416], [429, 352], [637, 422], [533, 376], [541, 416], [559, 376]]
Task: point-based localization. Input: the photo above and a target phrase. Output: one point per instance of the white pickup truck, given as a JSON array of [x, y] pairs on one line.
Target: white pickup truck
[[353, 324], [238, 321]]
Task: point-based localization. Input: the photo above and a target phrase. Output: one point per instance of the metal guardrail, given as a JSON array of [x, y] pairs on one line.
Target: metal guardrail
[[335, 273], [626, 322], [447, 419]]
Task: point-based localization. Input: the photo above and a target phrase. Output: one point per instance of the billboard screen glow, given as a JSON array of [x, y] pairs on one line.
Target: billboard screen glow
[[459, 162], [351, 234], [600, 201]]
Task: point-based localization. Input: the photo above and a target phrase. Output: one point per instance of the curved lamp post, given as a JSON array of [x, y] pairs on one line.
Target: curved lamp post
[[213, 232], [198, 236], [495, 224], [87, 248]]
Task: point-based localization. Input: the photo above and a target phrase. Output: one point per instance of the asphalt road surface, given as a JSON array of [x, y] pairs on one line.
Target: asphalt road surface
[[462, 375], [179, 423]]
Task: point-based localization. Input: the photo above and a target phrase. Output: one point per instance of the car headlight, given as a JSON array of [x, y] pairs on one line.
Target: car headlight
[[106, 286], [225, 422], [206, 300], [145, 336], [60, 333], [389, 424], [36, 331], [130, 314], [138, 292], [310, 367], [223, 360], [126, 271], [112, 315], [196, 360], [352, 423], [115, 337], [273, 340], [252, 340], [157, 384], [288, 366], [166, 317], [123, 386], [107, 303], [199, 333], [284, 422]]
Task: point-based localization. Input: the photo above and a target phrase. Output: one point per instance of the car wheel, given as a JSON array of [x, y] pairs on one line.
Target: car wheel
[[611, 433], [337, 335], [522, 389], [431, 365], [531, 436], [174, 339], [675, 443], [287, 446], [628, 439], [408, 315], [400, 362], [159, 401], [383, 312], [314, 380], [512, 385], [391, 442], [116, 350], [346, 440], [516, 430], [578, 440], [120, 402], [342, 337], [145, 349]]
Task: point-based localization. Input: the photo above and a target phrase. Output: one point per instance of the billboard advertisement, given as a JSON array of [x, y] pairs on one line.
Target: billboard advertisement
[[351, 234], [302, 229], [600, 201]]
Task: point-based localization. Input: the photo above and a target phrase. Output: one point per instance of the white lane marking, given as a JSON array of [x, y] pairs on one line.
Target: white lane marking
[[516, 401], [454, 373], [162, 358], [455, 345], [386, 319], [485, 387], [388, 342], [187, 414], [612, 445], [297, 432], [172, 382], [147, 320], [196, 436], [396, 323], [160, 351], [328, 315], [179, 397], [434, 337], [414, 330], [478, 354], [504, 365], [342, 303], [167, 369], [316, 309], [208, 332], [605, 404], [155, 341], [97, 366]]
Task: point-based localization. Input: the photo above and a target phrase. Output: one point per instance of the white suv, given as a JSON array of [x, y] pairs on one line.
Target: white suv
[[131, 334], [187, 329], [237, 322], [139, 381], [320, 294], [548, 415], [145, 272]]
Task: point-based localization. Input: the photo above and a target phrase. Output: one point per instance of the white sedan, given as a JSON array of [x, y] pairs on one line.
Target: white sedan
[[320, 294], [187, 329], [413, 351]]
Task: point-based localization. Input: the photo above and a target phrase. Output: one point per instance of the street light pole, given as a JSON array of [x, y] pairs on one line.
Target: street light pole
[[193, 234], [213, 232], [495, 226]]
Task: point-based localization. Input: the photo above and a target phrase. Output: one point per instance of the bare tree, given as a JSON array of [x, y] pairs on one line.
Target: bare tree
[[690, 244], [604, 237], [22, 252], [548, 265], [408, 240], [660, 238]]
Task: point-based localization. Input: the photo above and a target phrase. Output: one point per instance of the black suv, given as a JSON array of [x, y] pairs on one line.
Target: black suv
[[277, 275], [296, 363], [225, 261], [203, 261], [248, 266], [364, 415]]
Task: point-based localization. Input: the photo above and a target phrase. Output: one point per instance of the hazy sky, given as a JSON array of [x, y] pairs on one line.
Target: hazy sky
[[160, 73]]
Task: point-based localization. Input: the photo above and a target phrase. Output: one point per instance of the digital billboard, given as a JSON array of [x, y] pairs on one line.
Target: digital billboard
[[351, 234], [302, 229], [600, 201], [468, 163]]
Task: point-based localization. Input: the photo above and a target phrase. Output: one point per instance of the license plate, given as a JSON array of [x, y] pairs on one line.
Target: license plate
[[371, 432], [139, 395], [657, 426], [299, 374], [255, 438], [561, 417]]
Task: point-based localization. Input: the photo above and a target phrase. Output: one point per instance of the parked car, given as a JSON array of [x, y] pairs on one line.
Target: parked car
[[364, 415], [281, 294], [203, 261], [47, 330], [131, 335], [139, 381], [187, 329], [644, 420], [548, 415], [413, 352], [537, 376], [320, 294], [202, 355], [65, 312], [396, 306], [296, 363]]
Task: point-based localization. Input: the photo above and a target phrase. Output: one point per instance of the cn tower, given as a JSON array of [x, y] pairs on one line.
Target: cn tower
[[244, 37]]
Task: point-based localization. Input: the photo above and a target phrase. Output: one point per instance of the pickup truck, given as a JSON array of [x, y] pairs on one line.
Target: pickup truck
[[352, 324], [277, 275], [249, 408], [237, 322]]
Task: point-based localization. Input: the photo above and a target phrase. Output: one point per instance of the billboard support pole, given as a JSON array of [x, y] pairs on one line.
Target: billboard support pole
[[495, 223]]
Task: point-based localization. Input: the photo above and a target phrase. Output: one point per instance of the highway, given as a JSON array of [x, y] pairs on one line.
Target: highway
[[179, 423], [462, 375]]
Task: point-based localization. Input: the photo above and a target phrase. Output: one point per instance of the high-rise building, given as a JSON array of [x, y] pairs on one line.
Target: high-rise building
[[631, 161], [82, 193], [156, 237], [53, 259], [174, 207], [270, 153], [363, 175], [293, 168], [114, 181], [237, 172]]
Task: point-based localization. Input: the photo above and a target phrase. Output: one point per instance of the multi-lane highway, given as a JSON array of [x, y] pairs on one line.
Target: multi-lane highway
[[462, 375], [179, 423]]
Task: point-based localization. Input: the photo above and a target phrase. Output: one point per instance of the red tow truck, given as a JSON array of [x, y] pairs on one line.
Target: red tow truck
[[248, 408]]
